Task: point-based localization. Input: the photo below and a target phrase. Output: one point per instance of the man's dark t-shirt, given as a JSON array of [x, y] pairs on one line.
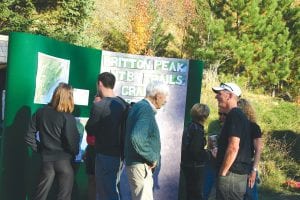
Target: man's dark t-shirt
[[105, 124], [236, 125]]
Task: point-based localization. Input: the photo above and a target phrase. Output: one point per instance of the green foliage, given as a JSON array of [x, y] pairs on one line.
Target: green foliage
[[278, 115], [64, 20], [259, 43], [146, 34], [115, 41], [276, 53], [14, 15], [61, 19], [279, 151], [256, 40], [159, 40], [292, 17], [272, 178], [277, 164], [244, 38]]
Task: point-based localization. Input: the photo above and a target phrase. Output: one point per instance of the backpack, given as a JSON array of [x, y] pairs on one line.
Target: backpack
[[128, 106]]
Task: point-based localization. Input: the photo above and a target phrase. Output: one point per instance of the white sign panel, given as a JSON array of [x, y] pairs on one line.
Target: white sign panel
[[81, 97], [133, 73]]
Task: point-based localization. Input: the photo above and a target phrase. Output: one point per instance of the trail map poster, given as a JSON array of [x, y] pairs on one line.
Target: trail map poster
[[51, 71]]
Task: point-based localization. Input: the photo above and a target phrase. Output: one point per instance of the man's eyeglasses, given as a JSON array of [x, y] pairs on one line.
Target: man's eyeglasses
[[222, 114], [226, 87]]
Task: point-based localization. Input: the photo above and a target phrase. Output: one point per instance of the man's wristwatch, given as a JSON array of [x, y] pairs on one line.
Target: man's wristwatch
[[254, 169]]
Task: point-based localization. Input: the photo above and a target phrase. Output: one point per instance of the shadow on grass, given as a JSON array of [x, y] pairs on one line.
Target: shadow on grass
[[291, 138], [268, 194], [287, 143]]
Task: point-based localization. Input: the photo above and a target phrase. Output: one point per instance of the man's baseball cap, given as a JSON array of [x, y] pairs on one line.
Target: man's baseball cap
[[230, 87]]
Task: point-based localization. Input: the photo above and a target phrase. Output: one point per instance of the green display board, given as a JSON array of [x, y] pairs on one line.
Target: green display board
[[19, 166]]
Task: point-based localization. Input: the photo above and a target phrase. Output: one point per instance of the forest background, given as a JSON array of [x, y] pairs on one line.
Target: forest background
[[254, 43]]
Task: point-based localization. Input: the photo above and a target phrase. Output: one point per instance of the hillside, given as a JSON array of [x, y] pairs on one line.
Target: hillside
[[280, 123]]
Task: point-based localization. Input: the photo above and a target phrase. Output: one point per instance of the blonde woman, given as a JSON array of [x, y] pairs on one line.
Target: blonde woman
[[256, 148], [53, 134]]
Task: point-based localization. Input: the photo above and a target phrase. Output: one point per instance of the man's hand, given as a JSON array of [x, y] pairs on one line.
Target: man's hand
[[223, 173], [153, 165], [214, 152]]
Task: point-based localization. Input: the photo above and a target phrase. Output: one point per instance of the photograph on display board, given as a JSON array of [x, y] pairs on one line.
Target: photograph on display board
[[81, 122], [51, 71]]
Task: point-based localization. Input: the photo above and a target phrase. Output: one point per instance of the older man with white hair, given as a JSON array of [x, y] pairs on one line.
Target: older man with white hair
[[234, 152], [142, 142]]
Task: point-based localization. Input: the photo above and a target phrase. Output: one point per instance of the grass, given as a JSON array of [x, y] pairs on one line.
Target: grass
[[280, 123]]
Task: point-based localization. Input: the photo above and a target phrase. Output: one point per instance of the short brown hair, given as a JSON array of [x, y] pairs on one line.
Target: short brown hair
[[62, 98], [107, 79], [199, 112]]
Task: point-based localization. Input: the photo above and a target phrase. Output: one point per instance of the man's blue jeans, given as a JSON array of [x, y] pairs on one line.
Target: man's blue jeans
[[232, 186], [209, 180], [108, 171]]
